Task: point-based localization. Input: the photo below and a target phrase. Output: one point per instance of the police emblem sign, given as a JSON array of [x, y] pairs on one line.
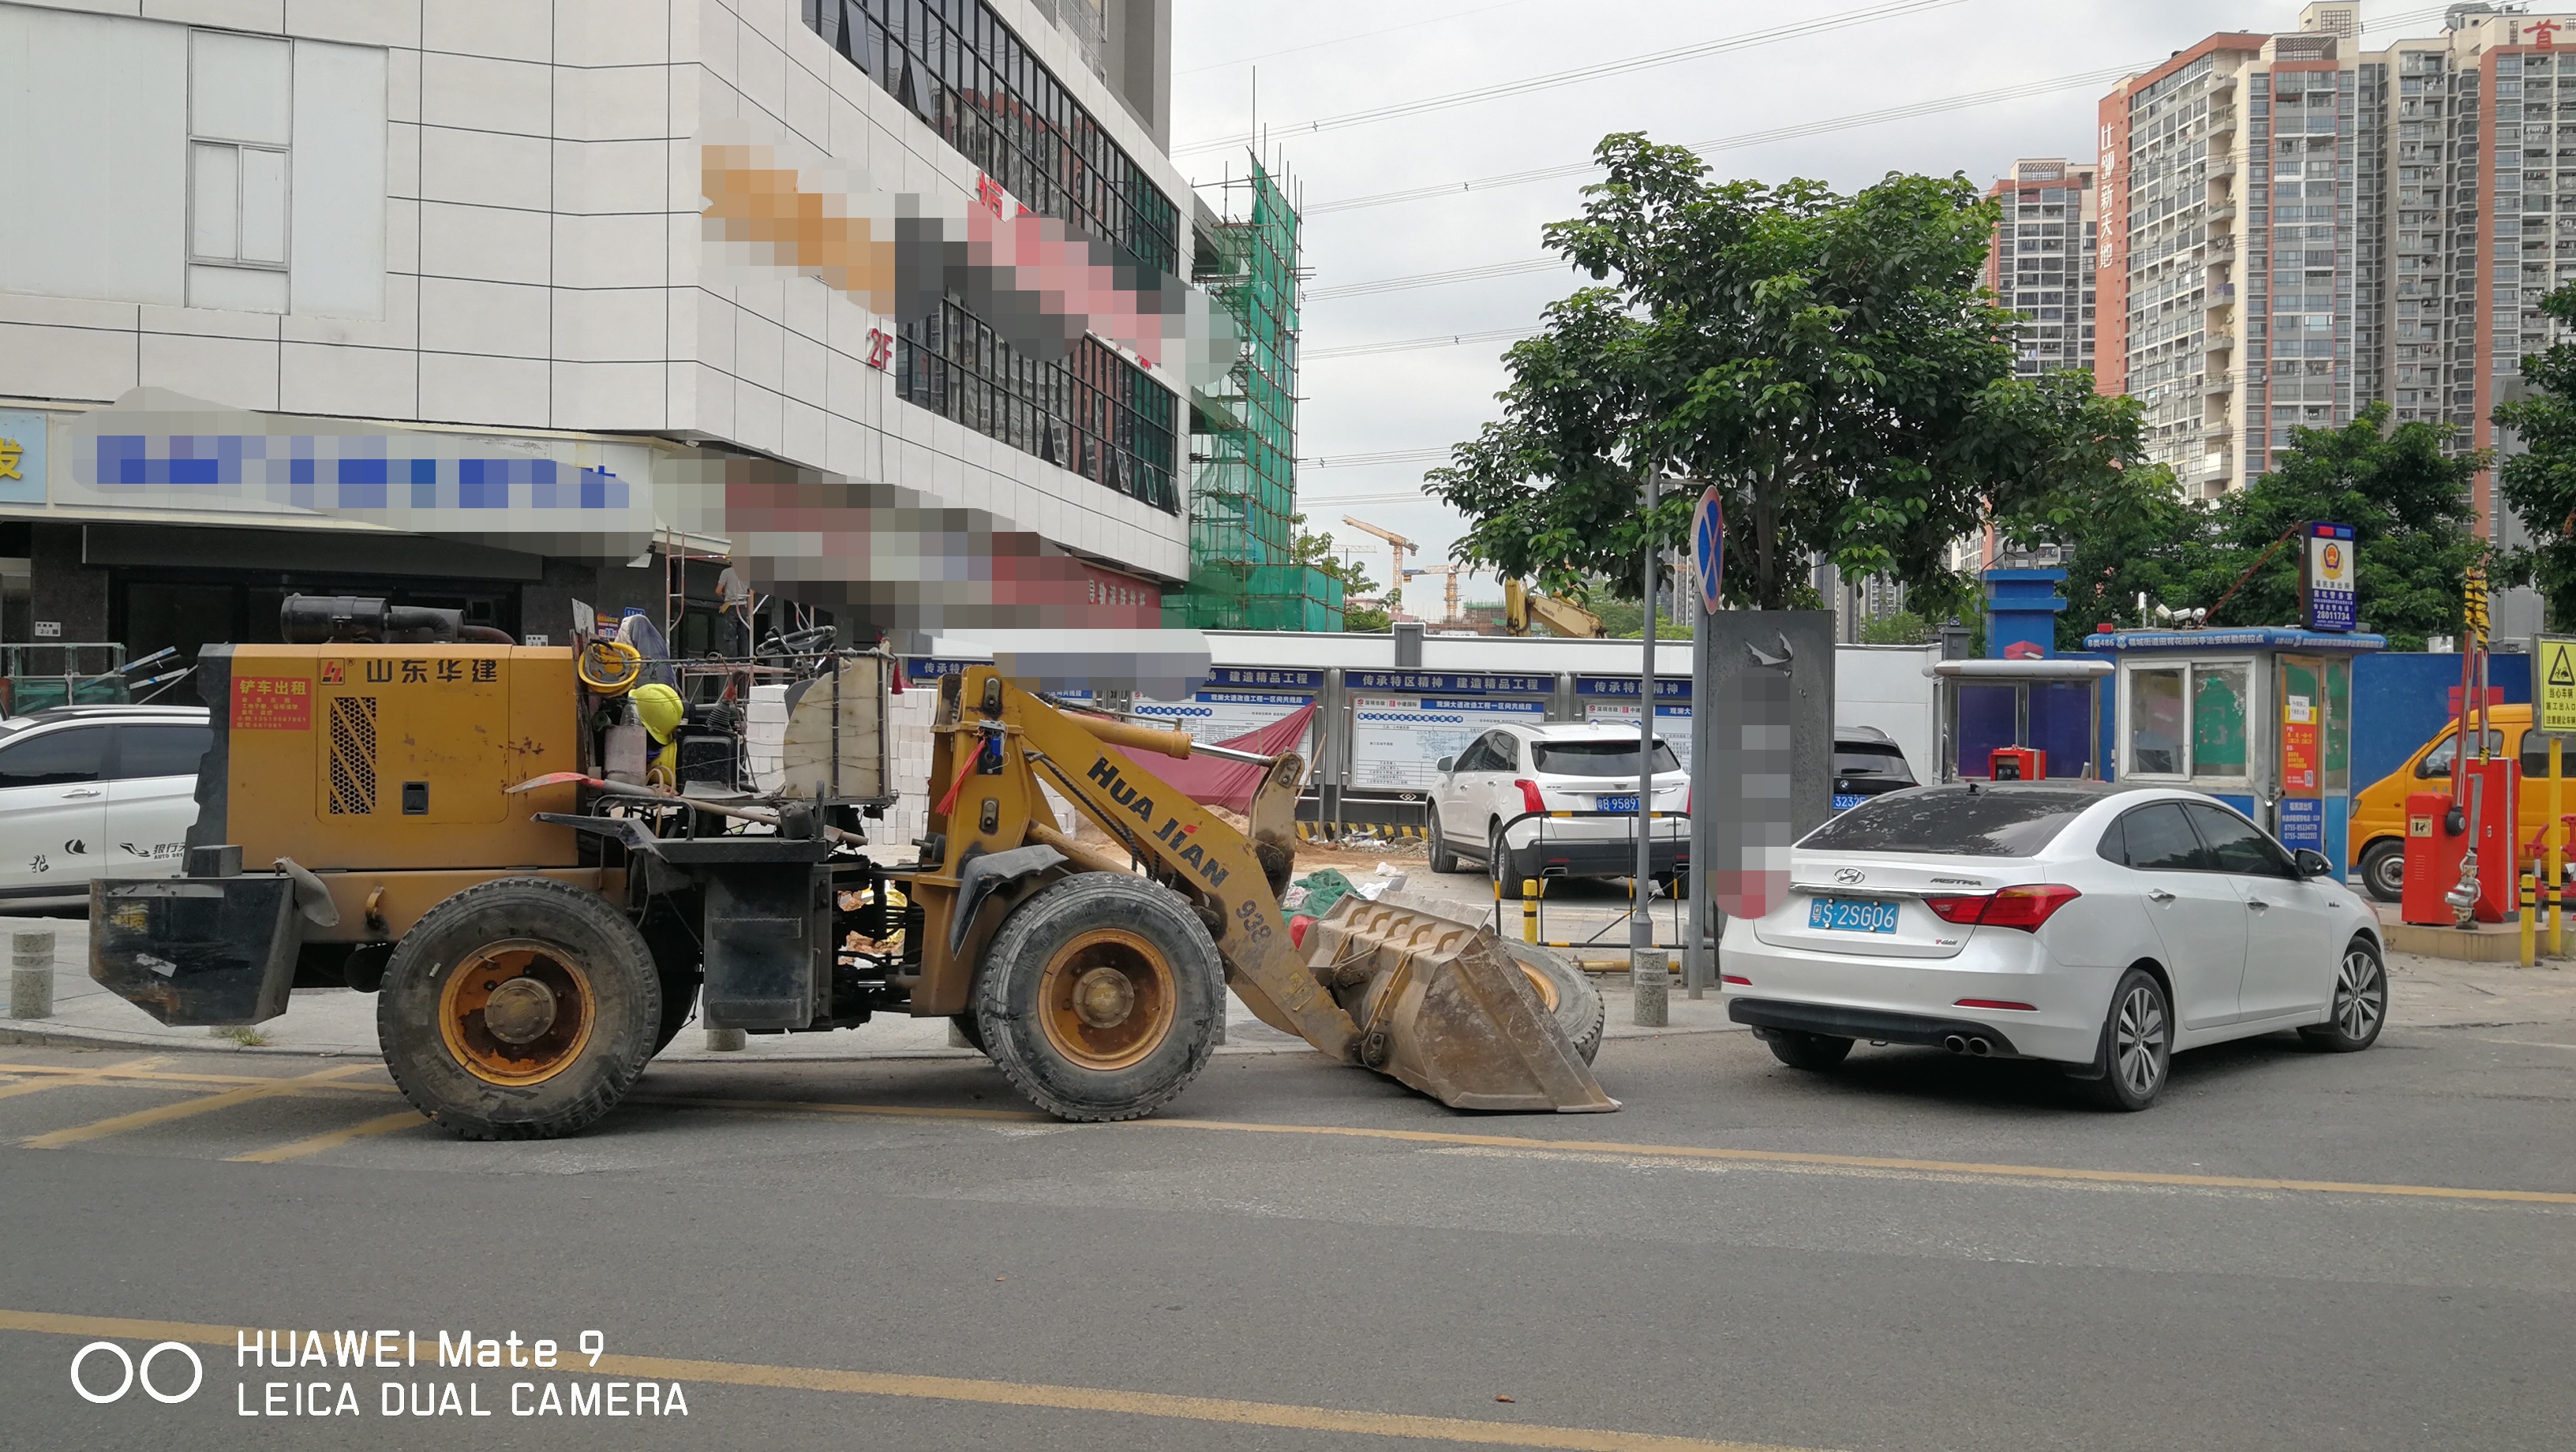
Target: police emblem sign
[[2326, 581]]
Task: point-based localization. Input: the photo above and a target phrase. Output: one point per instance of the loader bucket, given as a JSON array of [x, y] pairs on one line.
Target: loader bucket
[[1442, 1008]]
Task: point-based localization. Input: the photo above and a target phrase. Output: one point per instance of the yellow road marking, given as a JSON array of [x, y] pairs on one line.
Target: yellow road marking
[[1219, 1410], [76, 1078], [137, 1074], [163, 1113], [333, 1139]]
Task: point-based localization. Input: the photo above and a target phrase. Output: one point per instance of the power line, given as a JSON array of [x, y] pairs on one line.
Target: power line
[[1435, 279], [1910, 111], [1650, 60], [1345, 39], [1750, 138], [1407, 345], [1388, 456]]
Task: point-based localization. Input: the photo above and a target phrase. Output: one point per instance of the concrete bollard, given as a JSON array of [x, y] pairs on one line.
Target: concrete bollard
[[31, 973], [1650, 983], [727, 1041]]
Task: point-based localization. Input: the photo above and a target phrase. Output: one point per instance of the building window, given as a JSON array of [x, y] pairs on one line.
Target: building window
[[967, 76], [1095, 413]]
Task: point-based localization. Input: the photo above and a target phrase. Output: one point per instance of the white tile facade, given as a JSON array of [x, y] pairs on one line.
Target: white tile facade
[[543, 263]]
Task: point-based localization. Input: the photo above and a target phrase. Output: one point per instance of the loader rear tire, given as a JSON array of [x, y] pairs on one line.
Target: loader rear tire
[[1099, 998], [490, 1059], [1567, 992]]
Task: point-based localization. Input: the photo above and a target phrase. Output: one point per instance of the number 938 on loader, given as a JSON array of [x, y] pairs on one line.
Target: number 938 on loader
[[460, 828]]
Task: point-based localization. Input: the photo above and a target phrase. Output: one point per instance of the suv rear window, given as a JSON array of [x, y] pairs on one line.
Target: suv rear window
[[1861, 758], [1953, 821], [1597, 758]]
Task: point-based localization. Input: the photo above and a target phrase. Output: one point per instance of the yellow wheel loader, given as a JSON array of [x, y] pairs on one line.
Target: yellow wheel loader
[[456, 827]]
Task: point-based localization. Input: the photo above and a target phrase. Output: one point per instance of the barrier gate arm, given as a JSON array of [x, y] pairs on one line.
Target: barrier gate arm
[[996, 804]]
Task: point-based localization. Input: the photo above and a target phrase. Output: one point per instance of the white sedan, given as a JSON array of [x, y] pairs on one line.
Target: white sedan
[[90, 790], [1487, 806], [2101, 927]]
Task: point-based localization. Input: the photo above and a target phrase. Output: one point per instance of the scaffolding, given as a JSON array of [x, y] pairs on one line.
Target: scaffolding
[[1243, 435]]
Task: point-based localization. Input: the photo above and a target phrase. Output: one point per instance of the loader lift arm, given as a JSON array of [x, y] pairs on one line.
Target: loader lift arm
[[995, 758], [1431, 1001]]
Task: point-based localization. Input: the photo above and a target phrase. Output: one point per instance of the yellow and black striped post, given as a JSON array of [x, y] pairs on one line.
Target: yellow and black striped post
[[1529, 909], [2527, 880]]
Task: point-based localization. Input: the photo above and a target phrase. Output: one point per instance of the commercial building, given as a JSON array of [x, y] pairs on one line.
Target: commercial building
[[2294, 228], [507, 305]]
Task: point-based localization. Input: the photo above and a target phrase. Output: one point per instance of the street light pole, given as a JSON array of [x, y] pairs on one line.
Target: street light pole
[[1649, 977]]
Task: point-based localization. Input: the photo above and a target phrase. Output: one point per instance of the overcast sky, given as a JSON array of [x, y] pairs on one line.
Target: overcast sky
[[1320, 59]]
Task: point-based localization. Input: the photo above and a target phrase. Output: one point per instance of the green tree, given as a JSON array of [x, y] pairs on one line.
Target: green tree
[[1829, 363], [1367, 619], [2129, 534], [1904, 627], [1307, 548], [2540, 482], [2407, 499]]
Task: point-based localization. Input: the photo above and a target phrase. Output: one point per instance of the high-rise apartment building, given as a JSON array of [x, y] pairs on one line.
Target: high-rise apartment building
[[2042, 265], [2293, 228]]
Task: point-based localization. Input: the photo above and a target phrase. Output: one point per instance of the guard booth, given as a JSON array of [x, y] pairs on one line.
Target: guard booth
[[2259, 718], [2021, 719]]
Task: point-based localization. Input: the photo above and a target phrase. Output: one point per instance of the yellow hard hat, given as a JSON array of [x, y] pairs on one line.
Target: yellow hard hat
[[659, 708]]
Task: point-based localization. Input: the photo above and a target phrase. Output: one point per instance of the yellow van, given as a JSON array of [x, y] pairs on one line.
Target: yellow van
[[2379, 810]]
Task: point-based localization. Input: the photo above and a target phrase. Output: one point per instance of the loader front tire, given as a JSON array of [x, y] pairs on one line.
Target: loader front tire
[[520, 1008], [1100, 996], [1565, 991]]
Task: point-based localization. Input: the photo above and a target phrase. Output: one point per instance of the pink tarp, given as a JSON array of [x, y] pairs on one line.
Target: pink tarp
[[1211, 781]]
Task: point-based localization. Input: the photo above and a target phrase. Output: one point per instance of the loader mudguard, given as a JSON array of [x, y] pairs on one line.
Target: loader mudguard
[[987, 871], [197, 951]]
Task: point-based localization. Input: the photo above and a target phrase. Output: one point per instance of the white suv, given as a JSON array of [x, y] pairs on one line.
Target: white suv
[[89, 790], [1480, 807]]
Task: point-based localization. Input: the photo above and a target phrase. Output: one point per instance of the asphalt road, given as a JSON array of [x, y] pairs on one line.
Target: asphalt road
[[2293, 1250]]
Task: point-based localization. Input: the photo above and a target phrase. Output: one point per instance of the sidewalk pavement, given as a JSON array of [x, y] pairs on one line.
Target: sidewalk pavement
[[330, 1022]]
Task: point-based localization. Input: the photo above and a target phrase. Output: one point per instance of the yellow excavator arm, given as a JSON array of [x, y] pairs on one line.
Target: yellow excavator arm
[[1433, 1002], [1523, 606]]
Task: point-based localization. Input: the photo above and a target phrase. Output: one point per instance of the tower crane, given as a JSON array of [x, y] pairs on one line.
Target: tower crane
[[1397, 546]]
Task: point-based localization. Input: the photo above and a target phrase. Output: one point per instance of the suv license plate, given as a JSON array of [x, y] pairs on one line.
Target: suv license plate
[[1852, 914], [1616, 804]]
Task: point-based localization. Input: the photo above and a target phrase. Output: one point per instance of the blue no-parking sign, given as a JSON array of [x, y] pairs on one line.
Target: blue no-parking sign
[[1708, 549]]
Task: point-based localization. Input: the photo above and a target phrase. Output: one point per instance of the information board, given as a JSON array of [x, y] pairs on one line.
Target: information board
[[1672, 723], [2303, 823], [1397, 741], [2553, 685], [2326, 579], [1223, 715]]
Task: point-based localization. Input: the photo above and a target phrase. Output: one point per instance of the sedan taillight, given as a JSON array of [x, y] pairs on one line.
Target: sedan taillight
[[1530, 799], [2021, 908]]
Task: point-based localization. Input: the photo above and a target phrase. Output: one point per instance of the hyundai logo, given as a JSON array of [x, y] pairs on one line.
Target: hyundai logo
[[1848, 875]]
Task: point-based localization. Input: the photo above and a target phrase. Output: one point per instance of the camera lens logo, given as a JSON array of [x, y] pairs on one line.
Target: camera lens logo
[[132, 1373]]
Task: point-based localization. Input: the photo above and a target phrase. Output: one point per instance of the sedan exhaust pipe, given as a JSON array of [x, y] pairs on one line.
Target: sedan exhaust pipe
[[1955, 1044], [1979, 1047]]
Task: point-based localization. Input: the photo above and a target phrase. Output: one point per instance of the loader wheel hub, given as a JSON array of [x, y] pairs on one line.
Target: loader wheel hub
[[1103, 998], [520, 1011], [516, 1012], [1107, 999]]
